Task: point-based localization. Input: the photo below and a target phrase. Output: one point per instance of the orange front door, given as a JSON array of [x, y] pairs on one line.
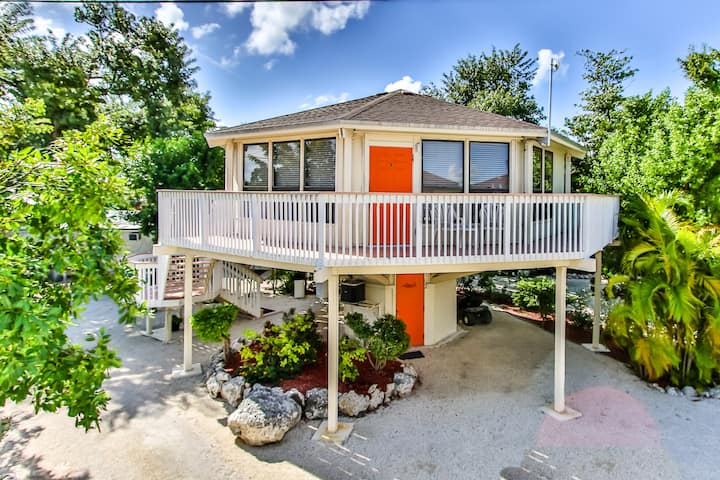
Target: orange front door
[[410, 307], [391, 172]]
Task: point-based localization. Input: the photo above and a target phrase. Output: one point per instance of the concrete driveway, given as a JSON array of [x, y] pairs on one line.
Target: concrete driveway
[[475, 413]]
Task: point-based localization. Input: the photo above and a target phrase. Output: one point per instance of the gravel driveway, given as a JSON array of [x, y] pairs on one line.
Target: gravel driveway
[[475, 413]]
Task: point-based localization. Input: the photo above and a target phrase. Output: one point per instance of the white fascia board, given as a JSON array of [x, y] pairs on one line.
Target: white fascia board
[[221, 137]]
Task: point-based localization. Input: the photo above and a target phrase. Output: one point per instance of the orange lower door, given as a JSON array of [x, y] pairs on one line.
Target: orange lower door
[[410, 305]]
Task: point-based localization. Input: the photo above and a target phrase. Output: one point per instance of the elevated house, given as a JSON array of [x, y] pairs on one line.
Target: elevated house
[[401, 191]]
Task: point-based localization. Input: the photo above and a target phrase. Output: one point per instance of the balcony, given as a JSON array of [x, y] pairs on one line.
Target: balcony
[[319, 230]]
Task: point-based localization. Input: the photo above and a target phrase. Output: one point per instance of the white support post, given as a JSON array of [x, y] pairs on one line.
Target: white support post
[[560, 288], [188, 368], [168, 326], [330, 430], [596, 346], [187, 313], [148, 323], [597, 299], [333, 351], [559, 410]]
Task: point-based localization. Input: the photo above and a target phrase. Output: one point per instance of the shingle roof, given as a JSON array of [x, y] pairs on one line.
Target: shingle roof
[[396, 108]]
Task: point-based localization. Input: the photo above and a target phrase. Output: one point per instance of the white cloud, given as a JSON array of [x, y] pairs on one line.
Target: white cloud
[[326, 99], [405, 83], [270, 64], [45, 25], [205, 29], [274, 21], [172, 16], [544, 57], [331, 18], [233, 9]]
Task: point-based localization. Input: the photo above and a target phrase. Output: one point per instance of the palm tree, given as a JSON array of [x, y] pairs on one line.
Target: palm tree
[[669, 319]]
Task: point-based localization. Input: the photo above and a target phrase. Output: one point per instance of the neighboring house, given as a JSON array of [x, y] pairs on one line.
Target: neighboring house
[[403, 191], [133, 239]]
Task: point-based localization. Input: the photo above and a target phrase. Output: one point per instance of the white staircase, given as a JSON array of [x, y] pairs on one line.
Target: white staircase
[[162, 283]]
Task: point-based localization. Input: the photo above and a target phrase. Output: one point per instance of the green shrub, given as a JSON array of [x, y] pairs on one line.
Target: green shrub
[[536, 295], [384, 339], [577, 309], [212, 324], [350, 353], [280, 351]]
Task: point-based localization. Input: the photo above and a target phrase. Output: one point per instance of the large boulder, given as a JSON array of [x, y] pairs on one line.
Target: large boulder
[[264, 416], [352, 404], [232, 390], [213, 386], [376, 397], [404, 384], [316, 403]]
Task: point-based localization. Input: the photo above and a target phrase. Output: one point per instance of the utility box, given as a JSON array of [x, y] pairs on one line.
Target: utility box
[[352, 291]]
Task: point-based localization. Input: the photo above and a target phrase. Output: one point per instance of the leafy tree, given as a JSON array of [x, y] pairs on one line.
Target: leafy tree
[[536, 295], [606, 73], [212, 324], [670, 315], [184, 162], [499, 82], [53, 221]]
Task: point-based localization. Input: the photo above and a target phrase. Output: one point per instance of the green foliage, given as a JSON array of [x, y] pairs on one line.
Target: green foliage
[[606, 74], [498, 83], [184, 163], [5, 425], [350, 353], [53, 220], [280, 351], [536, 295], [384, 339], [577, 309], [212, 324], [670, 287]]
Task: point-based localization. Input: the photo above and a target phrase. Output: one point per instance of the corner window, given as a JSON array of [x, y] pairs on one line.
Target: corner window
[[320, 165], [255, 167], [442, 166], [542, 171], [489, 163], [286, 166]]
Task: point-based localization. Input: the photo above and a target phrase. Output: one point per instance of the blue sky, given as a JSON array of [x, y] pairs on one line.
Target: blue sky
[[266, 59]]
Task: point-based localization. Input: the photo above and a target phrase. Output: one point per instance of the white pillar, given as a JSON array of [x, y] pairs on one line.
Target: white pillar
[[187, 314], [597, 299], [560, 288], [333, 352]]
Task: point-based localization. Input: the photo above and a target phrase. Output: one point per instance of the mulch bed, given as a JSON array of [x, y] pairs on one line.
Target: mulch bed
[[572, 333], [316, 376]]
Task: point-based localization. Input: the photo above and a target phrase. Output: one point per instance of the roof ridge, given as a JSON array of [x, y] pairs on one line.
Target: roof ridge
[[381, 98]]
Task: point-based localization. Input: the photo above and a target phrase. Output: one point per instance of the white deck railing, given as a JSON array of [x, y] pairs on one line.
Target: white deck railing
[[349, 229]]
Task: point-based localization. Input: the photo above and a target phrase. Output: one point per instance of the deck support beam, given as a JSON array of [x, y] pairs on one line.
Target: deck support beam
[[188, 367], [596, 346], [333, 351], [559, 410]]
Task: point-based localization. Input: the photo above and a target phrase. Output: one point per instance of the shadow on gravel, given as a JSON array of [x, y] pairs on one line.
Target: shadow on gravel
[[12, 456]]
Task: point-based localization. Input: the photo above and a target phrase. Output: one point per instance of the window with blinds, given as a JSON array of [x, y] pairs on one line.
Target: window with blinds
[[442, 166], [286, 166], [255, 167], [320, 165], [489, 164]]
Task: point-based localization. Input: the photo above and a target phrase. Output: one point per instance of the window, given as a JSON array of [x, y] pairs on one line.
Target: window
[[442, 165], [133, 236], [320, 165], [548, 175], [255, 171], [542, 171], [489, 167], [286, 166]]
